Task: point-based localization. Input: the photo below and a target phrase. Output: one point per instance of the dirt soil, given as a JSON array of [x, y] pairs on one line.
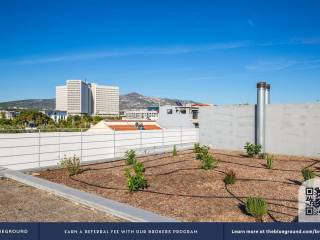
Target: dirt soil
[[178, 188], [22, 203]]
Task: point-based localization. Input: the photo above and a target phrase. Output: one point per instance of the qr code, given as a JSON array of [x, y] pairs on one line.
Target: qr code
[[312, 201]]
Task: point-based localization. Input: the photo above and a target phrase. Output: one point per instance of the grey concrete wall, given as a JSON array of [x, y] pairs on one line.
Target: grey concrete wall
[[227, 127], [293, 129]]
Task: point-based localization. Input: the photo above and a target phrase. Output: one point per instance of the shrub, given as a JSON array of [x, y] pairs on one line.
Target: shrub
[[203, 152], [253, 149], [230, 178], [308, 174], [136, 179], [256, 207], [196, 148], [269, 159], [208, 162], [72, 164], [130, 157], [174, 151], [138, 167]]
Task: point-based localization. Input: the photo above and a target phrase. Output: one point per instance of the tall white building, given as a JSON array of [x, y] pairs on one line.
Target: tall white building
[[105, 100], [61, 98], [79, 97]]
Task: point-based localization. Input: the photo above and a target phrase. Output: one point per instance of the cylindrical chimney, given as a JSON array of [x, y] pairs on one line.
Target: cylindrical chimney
[[261, 102], [268, 93]]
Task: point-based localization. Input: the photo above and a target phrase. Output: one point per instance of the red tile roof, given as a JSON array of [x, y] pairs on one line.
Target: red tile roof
[[122, 127], [132, 127], [151, 127], [200, 105]]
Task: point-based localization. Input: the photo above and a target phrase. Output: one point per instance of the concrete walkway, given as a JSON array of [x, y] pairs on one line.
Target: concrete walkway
[[114, 208]]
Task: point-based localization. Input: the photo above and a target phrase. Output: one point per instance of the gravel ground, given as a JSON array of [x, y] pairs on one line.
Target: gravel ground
[[22, 203], [180, 189]]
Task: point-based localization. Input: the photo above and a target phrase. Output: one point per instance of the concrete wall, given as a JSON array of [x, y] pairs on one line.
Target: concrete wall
[[227, 127], [292, 129]]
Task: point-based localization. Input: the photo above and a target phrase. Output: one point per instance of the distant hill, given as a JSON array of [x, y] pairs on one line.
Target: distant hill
[[40, 104], [127, 101], [138, 101]]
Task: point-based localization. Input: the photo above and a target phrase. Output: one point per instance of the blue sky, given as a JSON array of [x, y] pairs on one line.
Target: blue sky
[[208, 51]]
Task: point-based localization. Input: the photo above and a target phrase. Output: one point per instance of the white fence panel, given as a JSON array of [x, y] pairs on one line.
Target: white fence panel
[[44, 149]]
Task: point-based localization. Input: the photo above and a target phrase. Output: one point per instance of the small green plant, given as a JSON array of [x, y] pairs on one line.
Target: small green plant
[[174, 151], [202, 152], [139, 167], [72, 164], [208, 162], [230, 178], [269, 159], [256, 207], [130, 157], [136, 179], [196, 148], [308, 174], [253, 149]]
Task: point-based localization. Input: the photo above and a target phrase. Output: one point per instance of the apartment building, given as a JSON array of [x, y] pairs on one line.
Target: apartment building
[[78, 98], [61, 98], [105, 100]]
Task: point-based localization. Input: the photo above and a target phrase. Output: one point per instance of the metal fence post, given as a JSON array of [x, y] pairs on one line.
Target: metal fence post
[[114, 143], [39, 148], [140, 138], [59, 143], [162, 137], [81, 146]]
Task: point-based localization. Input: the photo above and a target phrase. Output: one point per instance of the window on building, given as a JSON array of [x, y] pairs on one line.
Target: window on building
[[194, 114], [183, 111], [169, 111]]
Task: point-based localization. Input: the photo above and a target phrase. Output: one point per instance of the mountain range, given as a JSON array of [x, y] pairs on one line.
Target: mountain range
[[127, 102]]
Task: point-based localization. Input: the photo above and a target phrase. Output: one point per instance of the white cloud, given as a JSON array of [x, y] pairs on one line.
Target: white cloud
[[293, 41], [172, 50], [280, 64]]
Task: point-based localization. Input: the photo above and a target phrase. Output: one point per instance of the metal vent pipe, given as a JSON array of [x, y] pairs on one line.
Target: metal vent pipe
[[260, 114], [268, 93]]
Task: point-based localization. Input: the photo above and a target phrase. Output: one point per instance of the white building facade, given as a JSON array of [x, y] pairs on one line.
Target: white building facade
[[143, 114], [105, 100], [79, 98], [61, 98]]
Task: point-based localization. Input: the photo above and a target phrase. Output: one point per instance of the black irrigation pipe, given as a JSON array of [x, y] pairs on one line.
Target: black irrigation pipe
[[246, 157], [171, 194], [274, 169], [266, 180], [184, 152]]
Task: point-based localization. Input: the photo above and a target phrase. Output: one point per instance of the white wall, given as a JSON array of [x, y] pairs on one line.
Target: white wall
[[227, 127], [293, 129], [21, 150]]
